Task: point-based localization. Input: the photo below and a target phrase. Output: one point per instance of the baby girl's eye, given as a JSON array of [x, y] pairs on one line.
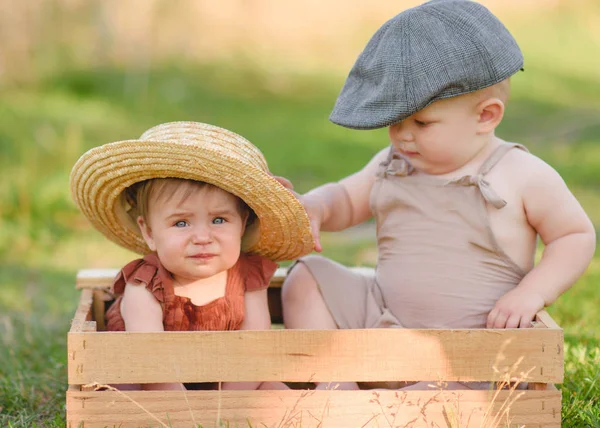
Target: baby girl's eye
[[218, 220], [421, 123], [181, 223]]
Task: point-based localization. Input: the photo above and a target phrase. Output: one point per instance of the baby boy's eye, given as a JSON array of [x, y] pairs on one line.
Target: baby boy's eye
[[421, 123], [181, 223], [218, 220]]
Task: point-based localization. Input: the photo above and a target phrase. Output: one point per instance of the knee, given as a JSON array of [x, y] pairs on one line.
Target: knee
[[298, 285]]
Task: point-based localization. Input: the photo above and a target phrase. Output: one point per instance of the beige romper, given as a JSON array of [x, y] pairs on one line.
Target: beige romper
[[439, 265]]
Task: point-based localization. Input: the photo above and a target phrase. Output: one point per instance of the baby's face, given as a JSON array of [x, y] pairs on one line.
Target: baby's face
[[440, 138], [197, 237]]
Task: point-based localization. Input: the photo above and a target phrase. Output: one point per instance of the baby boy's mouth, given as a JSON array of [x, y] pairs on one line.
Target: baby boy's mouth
[[409, 153]]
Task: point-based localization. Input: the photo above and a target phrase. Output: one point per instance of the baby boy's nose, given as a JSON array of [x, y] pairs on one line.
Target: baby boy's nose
[[401, 131]]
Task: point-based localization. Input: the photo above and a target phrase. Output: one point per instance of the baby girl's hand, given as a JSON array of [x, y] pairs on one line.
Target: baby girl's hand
[[515, 309]]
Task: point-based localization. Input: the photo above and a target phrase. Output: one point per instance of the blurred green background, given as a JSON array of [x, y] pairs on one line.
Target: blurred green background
[[75, 74]]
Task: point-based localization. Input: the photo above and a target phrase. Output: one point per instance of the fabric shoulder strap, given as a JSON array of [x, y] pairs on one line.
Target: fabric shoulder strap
[[498, 154]]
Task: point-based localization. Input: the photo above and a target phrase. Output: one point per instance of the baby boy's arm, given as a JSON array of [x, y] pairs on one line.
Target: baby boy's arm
[[569, 238], [337, 206]]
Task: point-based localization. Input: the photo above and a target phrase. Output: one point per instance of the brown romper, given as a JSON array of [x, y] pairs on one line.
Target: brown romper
[[250, 273], [439, 264]]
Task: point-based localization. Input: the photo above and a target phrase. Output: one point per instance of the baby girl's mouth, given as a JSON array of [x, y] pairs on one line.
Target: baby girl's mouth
[[203, 256]]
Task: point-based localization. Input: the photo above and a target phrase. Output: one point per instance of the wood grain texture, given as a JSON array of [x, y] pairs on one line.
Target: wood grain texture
[[316, 355], [312, 408], [83, 313], [545, 318]]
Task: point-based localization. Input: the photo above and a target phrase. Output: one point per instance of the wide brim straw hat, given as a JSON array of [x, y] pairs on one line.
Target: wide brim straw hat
[[194, 151]]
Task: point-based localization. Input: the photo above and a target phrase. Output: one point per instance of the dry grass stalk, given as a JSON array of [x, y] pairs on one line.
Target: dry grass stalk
[[98, 386]]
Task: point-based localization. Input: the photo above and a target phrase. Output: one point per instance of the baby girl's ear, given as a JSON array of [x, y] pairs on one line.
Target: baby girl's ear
[[146, 233], [491, 112], [250, 235], [245, 221]]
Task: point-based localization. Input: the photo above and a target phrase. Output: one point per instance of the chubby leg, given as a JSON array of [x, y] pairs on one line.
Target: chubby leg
[[424, 386], [273, 386], [303, 303], [305, 308]]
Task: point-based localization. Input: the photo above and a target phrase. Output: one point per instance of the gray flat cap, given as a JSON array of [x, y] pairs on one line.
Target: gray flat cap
[[439, 49]]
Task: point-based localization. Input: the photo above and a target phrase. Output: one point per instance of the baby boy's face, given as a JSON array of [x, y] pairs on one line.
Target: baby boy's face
[[198, 237], [440, 138]]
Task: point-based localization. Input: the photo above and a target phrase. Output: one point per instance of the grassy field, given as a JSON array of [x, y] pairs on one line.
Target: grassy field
[[46, 123]]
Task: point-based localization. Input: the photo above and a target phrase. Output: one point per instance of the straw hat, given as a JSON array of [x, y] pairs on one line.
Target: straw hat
[[193, 151]]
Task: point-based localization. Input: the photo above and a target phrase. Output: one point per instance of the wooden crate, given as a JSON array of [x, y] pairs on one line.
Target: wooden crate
[[369, 355]]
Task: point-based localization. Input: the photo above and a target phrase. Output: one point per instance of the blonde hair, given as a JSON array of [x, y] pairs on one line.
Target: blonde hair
[[140, 195], [500, 90]]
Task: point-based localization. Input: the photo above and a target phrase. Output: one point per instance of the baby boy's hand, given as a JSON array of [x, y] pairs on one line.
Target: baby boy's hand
[[515, 309], [313, 209], [284, 182]]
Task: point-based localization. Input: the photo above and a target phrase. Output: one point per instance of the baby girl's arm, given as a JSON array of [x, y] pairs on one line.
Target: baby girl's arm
[[569, 238], [256, 317], [141, 312], [337, 206]]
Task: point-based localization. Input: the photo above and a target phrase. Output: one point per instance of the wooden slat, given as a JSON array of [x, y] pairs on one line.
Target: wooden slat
[[545, 318], [95, 278], [83, 313], [98, 308], [307, 409], [315, 355], [103, 278], [537, 386]]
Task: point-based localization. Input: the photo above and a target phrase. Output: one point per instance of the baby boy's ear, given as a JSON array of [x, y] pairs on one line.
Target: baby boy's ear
[[491, 112]]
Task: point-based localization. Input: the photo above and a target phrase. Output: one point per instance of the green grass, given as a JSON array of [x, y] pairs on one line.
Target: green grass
[[46, 124]]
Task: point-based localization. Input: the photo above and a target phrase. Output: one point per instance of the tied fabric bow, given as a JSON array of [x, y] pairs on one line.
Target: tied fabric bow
[[484, 187], [399, 166]]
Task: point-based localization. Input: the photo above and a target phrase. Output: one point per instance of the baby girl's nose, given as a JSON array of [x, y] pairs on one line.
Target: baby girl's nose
[[201, 235]]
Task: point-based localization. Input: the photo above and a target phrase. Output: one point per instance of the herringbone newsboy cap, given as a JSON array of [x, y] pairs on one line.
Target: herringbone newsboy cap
[[440, 49]]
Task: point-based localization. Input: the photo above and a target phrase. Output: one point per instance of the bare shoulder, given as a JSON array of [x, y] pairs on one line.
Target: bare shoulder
[[140, 309], [526, 169]]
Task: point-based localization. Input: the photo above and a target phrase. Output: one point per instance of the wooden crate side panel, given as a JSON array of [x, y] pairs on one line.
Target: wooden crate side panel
[[314, 408], [316, 355]]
